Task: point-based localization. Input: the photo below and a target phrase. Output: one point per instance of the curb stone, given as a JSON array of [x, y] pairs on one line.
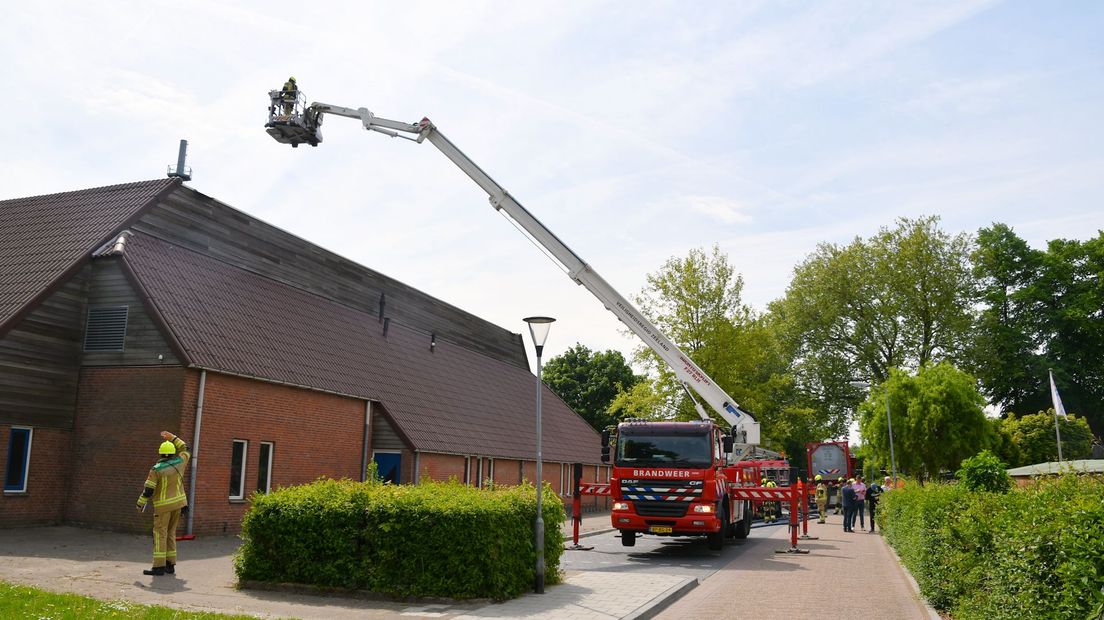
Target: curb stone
[[663, 600]]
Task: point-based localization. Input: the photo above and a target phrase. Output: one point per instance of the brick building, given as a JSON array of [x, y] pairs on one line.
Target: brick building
[[131, 309]]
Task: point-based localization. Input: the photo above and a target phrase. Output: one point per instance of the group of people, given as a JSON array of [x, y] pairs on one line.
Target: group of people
[[855, 497]]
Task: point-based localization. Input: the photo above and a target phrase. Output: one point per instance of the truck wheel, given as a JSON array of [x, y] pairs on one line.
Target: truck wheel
[[743, 528], [628, 539], [716, 541]]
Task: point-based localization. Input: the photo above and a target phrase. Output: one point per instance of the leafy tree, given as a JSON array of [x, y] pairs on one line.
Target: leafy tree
[[1035, 440], [899, 299], [985, 472], [1040, 310], [1070, 295], [937, 420], [589, 382], [695, 301], [1003, 353], [1004, 445], [641, 401]]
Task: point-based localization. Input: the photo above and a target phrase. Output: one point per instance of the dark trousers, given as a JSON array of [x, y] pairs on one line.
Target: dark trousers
[[848, 518], [861, 511], [873, 507]]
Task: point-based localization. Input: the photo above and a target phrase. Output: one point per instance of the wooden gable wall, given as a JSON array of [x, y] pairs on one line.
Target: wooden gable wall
[[40, 359], [144, 341]]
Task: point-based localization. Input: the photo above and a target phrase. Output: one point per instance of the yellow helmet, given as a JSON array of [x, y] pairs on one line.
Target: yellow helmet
[[291, 79], [167, 448], [818, 476]]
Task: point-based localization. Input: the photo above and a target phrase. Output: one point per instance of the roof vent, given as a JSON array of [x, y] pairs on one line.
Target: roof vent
[[386, 324], [182, 172], [106, 328]]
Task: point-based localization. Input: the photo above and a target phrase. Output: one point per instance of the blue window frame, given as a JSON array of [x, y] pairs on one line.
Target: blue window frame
[[19, 460]]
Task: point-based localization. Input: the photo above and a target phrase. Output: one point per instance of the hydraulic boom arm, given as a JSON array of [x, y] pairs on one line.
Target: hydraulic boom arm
[[685, 369]]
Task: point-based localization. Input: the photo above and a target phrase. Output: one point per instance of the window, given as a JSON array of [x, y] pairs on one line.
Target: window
[[388, 465], [477, 466], [264, 468], [106, 328], [19, 460], [237, 469]]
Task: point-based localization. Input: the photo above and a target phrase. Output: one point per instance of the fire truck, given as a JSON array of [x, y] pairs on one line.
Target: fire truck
[[669, 478]]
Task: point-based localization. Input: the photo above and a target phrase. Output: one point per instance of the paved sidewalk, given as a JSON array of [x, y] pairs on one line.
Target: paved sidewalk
[[844, 575], [109, 566]]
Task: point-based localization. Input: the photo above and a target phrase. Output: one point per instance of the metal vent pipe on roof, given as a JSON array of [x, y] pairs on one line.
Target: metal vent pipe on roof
[[386, 324], [181, 172]]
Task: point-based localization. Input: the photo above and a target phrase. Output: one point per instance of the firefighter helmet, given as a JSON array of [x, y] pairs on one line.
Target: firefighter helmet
[[167, 448], [818, 477]]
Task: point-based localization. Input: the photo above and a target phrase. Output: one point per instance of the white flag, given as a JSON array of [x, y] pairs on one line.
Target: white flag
[[1059, 410]]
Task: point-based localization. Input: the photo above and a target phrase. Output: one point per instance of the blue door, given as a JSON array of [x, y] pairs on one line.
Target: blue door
[[388, 466]]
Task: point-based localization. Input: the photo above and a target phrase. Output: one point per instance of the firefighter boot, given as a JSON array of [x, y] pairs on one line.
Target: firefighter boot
[[170, 568], [156, 571]]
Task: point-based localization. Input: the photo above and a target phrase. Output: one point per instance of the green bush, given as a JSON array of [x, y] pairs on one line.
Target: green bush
[[1031, 553], [985, 472], [432, 539]]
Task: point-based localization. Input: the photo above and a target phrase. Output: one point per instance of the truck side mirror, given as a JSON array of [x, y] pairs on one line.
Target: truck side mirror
[[605, 446], [726, 443], [605, 454]]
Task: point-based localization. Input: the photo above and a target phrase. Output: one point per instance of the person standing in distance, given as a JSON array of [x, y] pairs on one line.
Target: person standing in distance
[[848, 494], [873, 494], [165, 486], [821, 499], [860, 498]]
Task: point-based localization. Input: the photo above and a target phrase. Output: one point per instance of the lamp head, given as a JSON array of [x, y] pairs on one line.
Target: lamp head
[[538, 329]]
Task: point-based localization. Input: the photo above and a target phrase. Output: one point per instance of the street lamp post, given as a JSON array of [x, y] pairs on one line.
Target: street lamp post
[[889, 424], [538, 329]]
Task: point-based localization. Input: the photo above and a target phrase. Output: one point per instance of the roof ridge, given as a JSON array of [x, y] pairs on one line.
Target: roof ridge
[[93, 190]]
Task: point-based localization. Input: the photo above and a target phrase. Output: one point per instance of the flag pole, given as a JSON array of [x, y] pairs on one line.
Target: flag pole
[[1057, 407]]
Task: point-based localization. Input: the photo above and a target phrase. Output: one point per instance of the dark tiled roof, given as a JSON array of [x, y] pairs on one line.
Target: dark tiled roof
[[449, 400], [43, 237]]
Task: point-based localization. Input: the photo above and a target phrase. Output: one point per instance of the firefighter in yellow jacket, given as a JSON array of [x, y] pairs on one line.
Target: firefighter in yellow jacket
[[165, 486], [821, 499]]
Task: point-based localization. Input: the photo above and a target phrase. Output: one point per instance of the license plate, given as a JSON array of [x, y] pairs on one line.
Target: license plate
[[662, 529]]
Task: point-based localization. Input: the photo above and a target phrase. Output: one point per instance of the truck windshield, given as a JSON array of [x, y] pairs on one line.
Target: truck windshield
[[659, 450]]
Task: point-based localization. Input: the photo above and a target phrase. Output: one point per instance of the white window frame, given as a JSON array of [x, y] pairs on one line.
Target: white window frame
[[565, 479], [245, 465], [490, 469], [268, 466], [27, 462]]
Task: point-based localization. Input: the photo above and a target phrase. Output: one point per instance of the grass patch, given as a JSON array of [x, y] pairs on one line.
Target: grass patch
[[24, 602]]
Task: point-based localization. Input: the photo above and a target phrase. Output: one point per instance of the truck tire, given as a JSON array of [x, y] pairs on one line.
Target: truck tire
[[628, 539], [743, 527], [716, 541]]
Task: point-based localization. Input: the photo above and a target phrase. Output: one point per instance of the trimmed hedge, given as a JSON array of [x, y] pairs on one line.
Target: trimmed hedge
[[1029, 553], [436, 539]]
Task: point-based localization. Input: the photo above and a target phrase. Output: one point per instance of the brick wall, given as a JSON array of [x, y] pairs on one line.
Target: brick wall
[[314, 434], [507, 471], [47, 476], [120, 413], [440, 466]]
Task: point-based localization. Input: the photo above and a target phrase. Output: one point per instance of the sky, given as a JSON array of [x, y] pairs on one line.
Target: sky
[[635, 132]]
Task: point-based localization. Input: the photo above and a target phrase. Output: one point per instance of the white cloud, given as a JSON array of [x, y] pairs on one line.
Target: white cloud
[[635, 133]]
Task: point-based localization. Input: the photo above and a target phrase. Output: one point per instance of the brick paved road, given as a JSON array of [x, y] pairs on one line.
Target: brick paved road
[[844, 575]]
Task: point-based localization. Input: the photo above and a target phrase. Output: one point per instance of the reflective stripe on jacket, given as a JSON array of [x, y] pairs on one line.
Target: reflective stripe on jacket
[[166, 478]]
